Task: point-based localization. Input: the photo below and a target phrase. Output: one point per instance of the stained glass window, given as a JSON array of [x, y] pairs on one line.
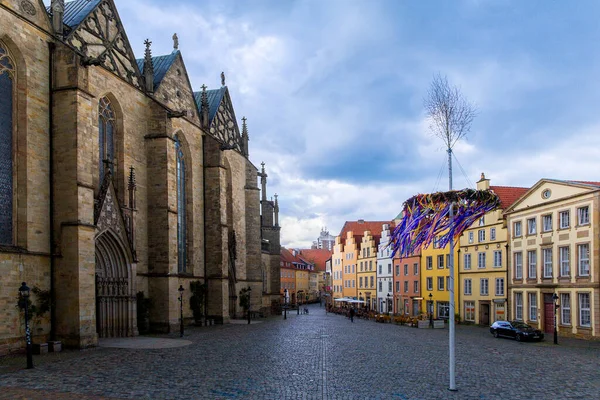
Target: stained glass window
[[181, 209], [7, 74], [106, 128]]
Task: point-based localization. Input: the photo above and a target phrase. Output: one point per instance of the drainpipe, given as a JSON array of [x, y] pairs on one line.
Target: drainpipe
[[51, 47], [204, 225], [508, 265]]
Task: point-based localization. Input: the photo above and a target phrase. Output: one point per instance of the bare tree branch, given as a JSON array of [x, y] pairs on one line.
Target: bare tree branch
[[450, 114]]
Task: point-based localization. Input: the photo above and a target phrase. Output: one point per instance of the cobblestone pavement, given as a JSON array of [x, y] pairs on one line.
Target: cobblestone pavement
[[314, 356]]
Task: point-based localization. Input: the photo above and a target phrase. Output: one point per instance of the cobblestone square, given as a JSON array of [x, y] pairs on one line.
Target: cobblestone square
[[314, 356]]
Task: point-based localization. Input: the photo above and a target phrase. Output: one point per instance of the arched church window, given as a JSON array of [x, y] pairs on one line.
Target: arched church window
[[181, 208], [7, 101], [106, 127]]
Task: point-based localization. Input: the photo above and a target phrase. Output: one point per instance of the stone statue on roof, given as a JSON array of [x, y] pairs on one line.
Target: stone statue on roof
[[175, 41], [222, 78]]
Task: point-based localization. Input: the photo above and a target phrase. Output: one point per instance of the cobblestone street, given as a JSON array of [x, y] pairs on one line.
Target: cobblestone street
[[314, 356]]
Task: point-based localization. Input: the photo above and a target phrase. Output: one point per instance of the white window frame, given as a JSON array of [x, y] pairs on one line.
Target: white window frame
[[429, 283], [482, 221], [467, 262], [429, 262], [531, 264], [546, 223], [531, 226], [533, 308], [583, 215], [499, 286], [405, 286], [468, 287], [564, 253], [440, 261], [484, 287], [583, 259], [519, 306], [518, 257], [481, 235], [547, 262], [517, 228], [415, 269], [416, 286], [564, 219], [440, 283], [565, 308], [471, 235], [584, 307], [405, 269], [492, 233], [469, 311], [481, 260], [497, 258]]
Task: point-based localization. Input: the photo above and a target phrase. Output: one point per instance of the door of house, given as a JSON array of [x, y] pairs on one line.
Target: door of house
[[548, 317], [484, 318], [415, 308]]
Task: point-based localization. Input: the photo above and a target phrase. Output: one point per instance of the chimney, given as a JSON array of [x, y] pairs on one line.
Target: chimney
[[483, 183]]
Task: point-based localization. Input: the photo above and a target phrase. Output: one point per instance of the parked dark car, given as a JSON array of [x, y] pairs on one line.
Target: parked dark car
[[516, 329]]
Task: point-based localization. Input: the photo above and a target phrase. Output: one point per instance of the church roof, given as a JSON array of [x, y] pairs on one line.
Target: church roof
[[76, 11], [214, 97], [161, 65]]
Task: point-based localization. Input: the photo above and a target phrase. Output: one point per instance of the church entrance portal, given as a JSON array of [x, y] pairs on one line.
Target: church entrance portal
[[115, 300]]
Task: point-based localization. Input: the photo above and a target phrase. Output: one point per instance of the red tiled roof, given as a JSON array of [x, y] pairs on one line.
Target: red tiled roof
[[317, 257], [287, 256], [359, 227], [508, 194], [588, 183]]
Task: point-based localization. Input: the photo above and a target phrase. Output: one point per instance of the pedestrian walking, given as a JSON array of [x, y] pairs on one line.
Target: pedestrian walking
[[351, 314]]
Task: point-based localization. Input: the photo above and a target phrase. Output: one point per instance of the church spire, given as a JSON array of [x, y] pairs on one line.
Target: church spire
[[58, 10], [245, 137], [148, 67], [263, 181], [204, 108], [276, 211]]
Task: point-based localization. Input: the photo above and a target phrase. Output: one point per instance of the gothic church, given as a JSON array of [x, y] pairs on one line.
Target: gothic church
[[117, 178]]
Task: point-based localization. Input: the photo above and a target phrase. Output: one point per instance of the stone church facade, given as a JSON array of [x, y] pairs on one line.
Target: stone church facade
[[116, 178]]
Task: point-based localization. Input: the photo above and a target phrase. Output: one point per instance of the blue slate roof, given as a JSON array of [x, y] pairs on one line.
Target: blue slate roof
[[76, 11], [214, 97], [161, 66]]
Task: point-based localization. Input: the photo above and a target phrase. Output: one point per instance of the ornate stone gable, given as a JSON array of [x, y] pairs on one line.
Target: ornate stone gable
[[175, 90], [101, 38], [32, 10], [223, 126], [108, 215]]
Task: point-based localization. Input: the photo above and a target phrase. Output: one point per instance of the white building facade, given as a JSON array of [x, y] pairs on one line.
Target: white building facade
[[385, 280]]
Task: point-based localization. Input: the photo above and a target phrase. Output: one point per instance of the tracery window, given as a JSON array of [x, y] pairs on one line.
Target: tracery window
[[7, 77], [181, 209], [106, 131]]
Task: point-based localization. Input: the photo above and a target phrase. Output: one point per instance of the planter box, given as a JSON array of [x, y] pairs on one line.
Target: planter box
[[41, 348], [437, 324], [55, 346]]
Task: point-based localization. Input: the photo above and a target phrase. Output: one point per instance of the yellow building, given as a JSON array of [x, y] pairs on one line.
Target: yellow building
[[553, 231], [367, 270], [483, 261], [337, 268], [435, 278], [349, 266]]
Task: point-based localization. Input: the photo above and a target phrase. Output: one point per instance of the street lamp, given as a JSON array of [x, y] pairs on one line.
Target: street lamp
[[24, 300], [181, 289], [430, 310], [389, 301], [556, 306], [249, 293], [285, 303]]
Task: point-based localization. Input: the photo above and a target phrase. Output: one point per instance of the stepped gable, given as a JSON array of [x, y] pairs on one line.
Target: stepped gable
[[359, 227]]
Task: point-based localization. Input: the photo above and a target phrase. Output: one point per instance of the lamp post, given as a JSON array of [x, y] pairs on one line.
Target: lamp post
[[285, 303], [298, 298], [24, 298], [249, 293], [430, 310], [556, 306], [181, 289], [389, 301]]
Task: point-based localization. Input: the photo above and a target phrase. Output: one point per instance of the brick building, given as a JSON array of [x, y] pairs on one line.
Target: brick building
[[116, 178]]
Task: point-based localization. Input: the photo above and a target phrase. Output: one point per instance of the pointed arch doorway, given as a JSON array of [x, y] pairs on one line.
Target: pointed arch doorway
[[115, 297]]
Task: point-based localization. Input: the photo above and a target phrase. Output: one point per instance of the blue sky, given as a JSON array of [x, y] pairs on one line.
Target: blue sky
[[333, 92]]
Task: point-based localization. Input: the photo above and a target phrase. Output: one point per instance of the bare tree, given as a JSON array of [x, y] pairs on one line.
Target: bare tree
[[450, 114]]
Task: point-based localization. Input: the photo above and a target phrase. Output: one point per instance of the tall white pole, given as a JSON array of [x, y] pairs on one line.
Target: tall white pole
[[451, 288]]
